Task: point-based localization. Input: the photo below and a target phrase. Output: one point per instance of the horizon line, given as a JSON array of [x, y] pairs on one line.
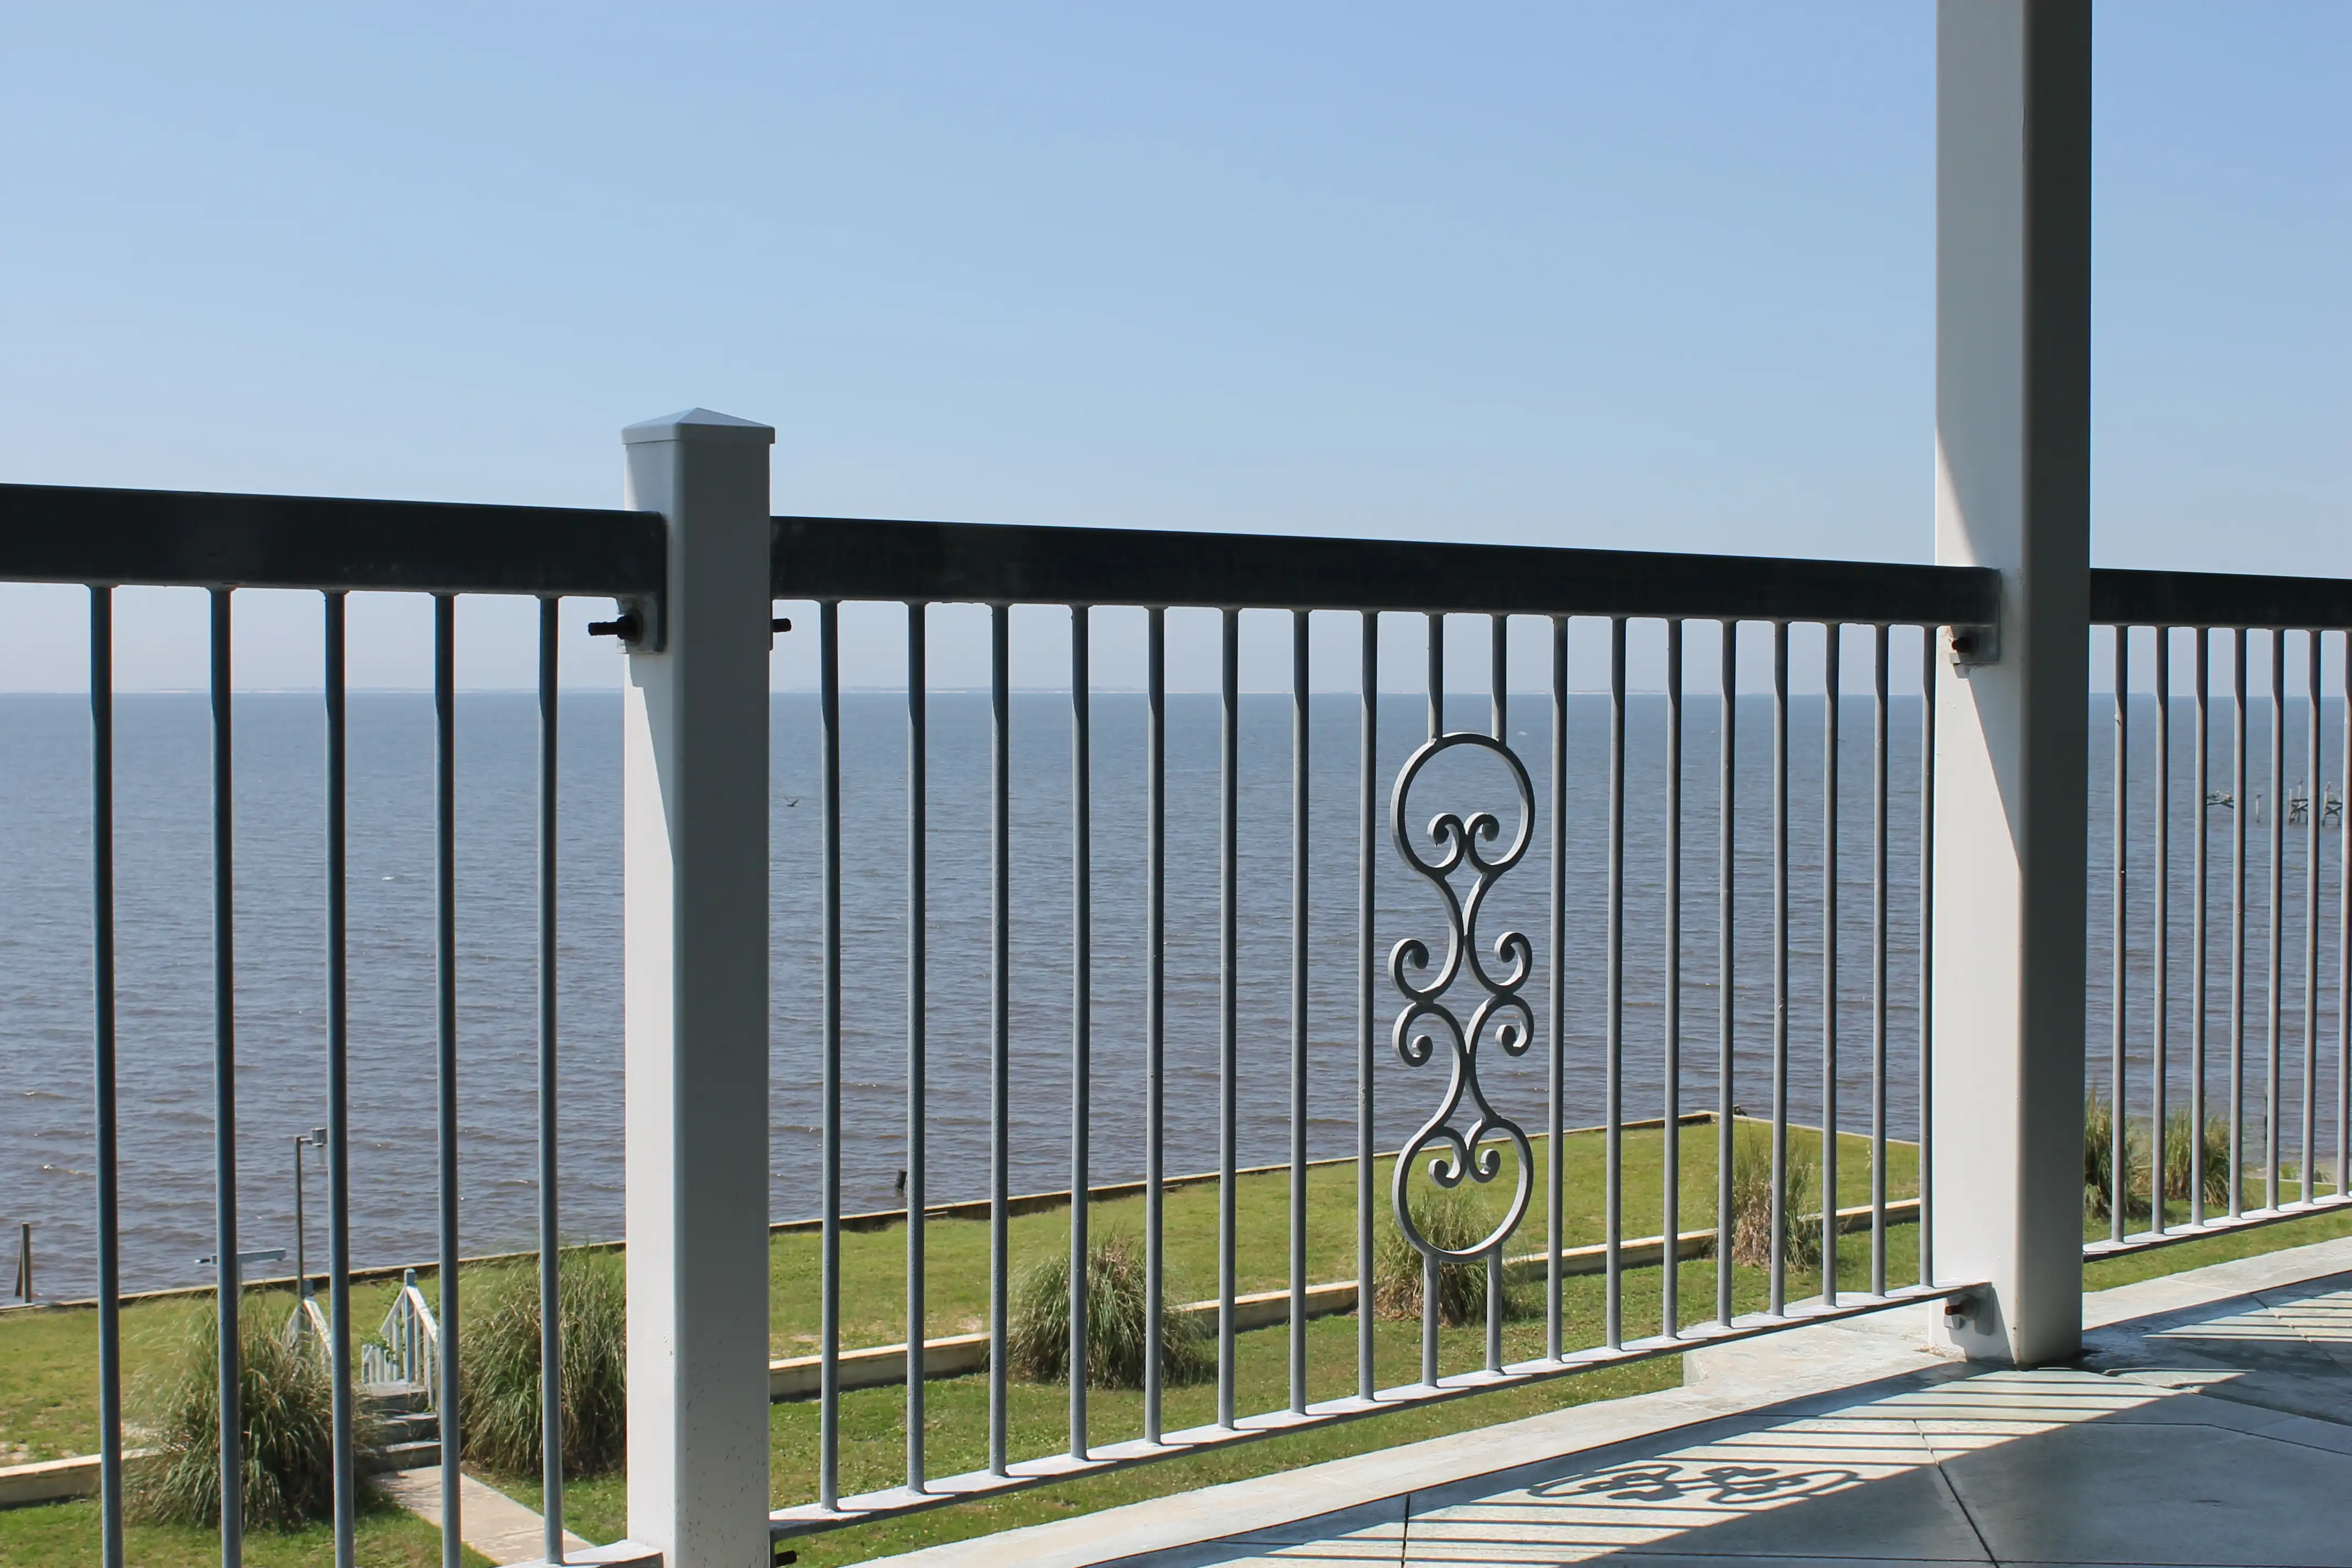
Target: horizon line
[[1690, 694]]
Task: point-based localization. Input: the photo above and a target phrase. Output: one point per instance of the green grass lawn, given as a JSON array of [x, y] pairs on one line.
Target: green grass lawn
[[873, 1421], [66, 1535], [2107, 1273], [873, 1451], [874, 1263], [47, 1360], [49, 1366]]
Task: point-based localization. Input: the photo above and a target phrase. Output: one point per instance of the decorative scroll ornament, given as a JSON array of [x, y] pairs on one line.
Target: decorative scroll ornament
[[1455, 1151]]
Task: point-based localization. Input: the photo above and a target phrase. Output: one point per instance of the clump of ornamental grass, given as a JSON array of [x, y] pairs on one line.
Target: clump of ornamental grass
[[499, 1366], [1037, 1335], [1751, 1204], [2099, 1151], [288, 1416], [2177, 1173], [1452, 1219]]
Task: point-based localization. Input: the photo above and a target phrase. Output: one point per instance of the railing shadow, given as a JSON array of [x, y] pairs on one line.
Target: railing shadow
[[2163, 1458]]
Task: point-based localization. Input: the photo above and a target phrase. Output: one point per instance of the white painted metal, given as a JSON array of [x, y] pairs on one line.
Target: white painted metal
[[2012, 490], [695, 765], [408, 1351]]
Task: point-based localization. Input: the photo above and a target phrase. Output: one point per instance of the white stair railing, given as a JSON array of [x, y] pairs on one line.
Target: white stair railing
[[408, 1349], [307, 1324]]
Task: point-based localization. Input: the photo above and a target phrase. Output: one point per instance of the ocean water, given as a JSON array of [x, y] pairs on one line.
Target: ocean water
[[165, 947]]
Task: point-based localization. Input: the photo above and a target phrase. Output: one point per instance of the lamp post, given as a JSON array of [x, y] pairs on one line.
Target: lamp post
[[315, 1138]]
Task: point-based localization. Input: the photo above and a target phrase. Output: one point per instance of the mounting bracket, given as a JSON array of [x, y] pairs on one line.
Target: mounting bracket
[[1972, 646]]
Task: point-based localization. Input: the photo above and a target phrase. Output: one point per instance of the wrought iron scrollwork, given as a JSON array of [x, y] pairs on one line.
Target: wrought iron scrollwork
[[1455, 1153]]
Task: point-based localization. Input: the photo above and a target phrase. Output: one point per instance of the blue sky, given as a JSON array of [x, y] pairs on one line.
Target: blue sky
[[1583, 274]]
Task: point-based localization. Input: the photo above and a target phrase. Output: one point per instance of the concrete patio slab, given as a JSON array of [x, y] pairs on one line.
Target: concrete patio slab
[[2135, 1493], [2284, 1345], [1382, 1519], [2210, 1424]]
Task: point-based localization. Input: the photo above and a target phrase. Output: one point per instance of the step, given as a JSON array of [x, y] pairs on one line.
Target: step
[[416, 1453], [410, 1429], [397, 1398]]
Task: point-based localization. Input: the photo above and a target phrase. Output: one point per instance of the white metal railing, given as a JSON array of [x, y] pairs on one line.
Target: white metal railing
[[1426, 992], [2225, 1073], [307, 1325], [1998, 626], [407, 1350], [107, 539]]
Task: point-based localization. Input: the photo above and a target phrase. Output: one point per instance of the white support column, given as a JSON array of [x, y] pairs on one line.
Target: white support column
[[695, 815], [2012, 492]]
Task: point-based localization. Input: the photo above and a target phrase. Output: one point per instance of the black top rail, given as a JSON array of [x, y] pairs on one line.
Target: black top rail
[[55, 533], [2135, 598], [848, 558]]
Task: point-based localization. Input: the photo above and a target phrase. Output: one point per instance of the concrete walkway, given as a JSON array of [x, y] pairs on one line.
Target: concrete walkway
[[488, 1521], [2210, 1423]]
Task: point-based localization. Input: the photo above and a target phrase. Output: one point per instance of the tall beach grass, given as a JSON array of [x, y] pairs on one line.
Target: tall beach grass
[[1751, 1204], [1452, 1219], [499, 1370], [288, 1410], [1037, 1336]]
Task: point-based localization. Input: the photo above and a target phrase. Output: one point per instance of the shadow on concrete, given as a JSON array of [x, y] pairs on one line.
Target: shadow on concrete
[[2219, 1433]]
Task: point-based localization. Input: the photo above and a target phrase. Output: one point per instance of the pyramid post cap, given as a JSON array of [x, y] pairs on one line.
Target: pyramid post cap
[[701, 425]]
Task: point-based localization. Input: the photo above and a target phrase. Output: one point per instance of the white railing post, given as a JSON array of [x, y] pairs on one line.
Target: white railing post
[[695, 815], [2012, 492]]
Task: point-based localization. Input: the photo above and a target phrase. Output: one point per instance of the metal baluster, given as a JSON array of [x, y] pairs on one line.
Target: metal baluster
[[1831, 639], [2343, 944], [551, 1311], [1081, 1009], [1298, 933], [2306, 1187], [1000, 1024], [2159, 923], [1499, 719], [1155, 999], [2198, 919], [1436, 649], [1726, 1022], [828, 1487], [918, 994], [1671, 1169], [1778, 1201], [2238, 811], [2117, 1164], [1436, 675], [1368, 806], [101, 948], [228, 1293], [1613, 1072], [444, 999], [1498, 677], [1228, 989], [1556, 998], [1927, 673], [1878, 960], [2274, 959]]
